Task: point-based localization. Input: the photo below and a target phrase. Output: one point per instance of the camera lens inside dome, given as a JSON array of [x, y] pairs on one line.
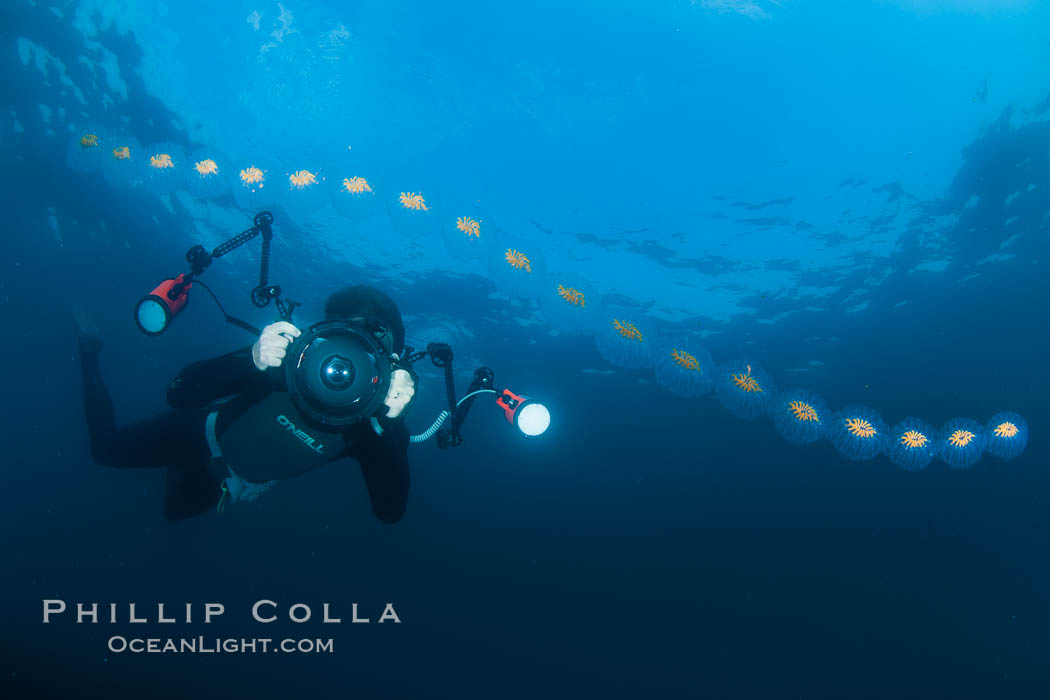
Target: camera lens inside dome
[[337, 372]]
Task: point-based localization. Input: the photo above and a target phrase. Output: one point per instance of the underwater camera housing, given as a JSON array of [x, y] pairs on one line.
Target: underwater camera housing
[[338, 372]]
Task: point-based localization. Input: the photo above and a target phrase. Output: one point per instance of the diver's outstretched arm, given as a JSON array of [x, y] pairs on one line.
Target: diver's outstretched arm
[[202, 382]]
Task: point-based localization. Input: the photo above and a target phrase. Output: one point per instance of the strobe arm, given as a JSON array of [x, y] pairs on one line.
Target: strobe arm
[[263, 225], [200, 259], [483, 378], [441, 355], [452, 437]]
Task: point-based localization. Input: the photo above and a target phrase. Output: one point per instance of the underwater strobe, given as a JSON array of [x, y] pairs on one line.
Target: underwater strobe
[[155, 311], [530, 417]]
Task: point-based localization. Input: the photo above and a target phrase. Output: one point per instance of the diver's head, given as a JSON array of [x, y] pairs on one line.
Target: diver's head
[[363, 301]]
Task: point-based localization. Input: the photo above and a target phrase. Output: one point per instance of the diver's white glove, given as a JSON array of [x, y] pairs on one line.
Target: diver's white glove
[[269, 349], [402, 389]]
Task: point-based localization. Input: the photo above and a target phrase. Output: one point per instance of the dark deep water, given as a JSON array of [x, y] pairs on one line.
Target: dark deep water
[[647, 546]]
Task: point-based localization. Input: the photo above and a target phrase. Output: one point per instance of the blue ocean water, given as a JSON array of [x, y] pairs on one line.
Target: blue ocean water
[[852, 195]]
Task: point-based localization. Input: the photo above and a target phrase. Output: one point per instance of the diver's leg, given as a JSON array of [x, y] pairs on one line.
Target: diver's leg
[[175, 440], [172, 438], [190, 491], [98, 406], [153, 442]]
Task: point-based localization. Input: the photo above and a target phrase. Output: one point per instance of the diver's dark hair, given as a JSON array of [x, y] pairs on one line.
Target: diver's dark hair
[[367, 302]]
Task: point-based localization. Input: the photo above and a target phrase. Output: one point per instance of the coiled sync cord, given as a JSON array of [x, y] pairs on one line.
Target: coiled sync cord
[[438, 422]]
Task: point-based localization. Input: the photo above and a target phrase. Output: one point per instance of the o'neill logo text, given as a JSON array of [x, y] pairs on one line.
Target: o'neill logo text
[[301, 434]]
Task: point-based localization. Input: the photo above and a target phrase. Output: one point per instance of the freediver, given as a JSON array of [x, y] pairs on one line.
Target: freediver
[[232, 431]]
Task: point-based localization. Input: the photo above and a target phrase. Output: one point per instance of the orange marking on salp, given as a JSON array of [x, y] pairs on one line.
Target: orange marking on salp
[[858, 427], [627, 330]]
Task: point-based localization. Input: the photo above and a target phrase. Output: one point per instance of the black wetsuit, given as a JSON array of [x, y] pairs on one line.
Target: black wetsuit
[[176, 439]]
